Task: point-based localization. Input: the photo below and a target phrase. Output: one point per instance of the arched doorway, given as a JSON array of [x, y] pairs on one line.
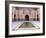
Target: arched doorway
[[37, 17], [14, 17], [26, 17]]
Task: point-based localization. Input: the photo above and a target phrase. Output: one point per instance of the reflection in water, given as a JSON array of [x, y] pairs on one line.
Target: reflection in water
[[27, 25]]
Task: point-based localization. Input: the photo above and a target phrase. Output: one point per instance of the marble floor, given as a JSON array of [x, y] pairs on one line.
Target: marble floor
[[25, 24]]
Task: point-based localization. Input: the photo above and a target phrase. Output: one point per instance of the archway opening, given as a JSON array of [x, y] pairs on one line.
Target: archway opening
[[14, 17], [26, 17]]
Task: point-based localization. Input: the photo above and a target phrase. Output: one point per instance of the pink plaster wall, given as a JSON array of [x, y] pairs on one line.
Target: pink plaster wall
[[20, 14]]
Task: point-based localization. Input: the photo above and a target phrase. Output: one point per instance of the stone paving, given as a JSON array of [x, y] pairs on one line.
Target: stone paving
[[25, 25]]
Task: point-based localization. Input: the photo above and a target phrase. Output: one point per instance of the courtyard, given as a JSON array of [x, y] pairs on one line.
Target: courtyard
[[20, 25]]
